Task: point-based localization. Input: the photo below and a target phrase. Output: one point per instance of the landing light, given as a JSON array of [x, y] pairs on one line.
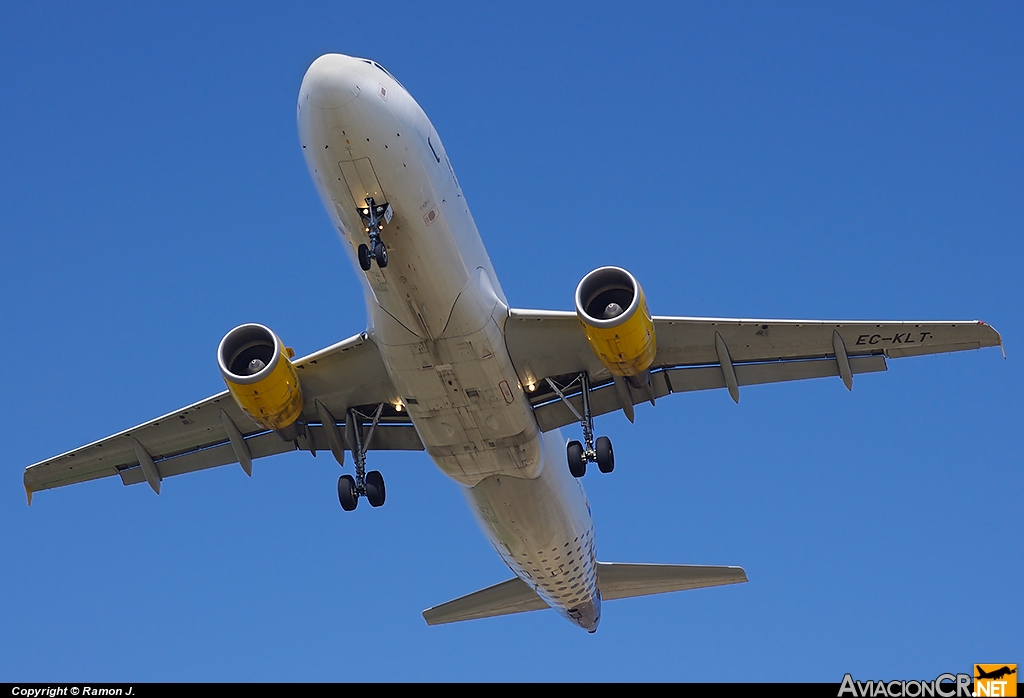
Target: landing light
[[366, 211], [531, 387], [398, 406]]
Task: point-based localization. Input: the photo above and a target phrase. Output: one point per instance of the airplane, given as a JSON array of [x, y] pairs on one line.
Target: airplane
[[994, 674], [446, 365]]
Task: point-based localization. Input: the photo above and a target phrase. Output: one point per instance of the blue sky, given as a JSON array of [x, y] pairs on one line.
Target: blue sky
[[798, 160]]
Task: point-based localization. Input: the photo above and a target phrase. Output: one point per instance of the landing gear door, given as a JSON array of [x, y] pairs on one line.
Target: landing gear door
[[361, 180]]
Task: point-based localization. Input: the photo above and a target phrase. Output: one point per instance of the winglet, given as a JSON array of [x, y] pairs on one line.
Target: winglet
[[1001, 347], [998, 336], [28, 493]]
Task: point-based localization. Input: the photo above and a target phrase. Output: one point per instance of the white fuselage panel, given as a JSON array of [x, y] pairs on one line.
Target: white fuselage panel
[[437, 313]]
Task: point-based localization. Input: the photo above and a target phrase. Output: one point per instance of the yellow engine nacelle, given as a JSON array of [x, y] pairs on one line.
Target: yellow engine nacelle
[[256, 366], [618, 325]]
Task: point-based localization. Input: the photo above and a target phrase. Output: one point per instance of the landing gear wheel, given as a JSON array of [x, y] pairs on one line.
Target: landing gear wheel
[[347, 494], [605, 455], [375, 488], [380, 253], [364, 257], [574, 454]]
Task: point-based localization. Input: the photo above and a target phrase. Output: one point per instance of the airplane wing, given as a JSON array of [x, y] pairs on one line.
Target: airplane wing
[[707, 353], [349, 374]]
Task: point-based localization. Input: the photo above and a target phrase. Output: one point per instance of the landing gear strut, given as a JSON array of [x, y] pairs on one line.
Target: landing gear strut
[[364, 484], [374, 217], [577, 454]]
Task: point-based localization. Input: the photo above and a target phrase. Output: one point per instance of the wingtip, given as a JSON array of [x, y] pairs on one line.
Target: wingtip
[[999, 337]]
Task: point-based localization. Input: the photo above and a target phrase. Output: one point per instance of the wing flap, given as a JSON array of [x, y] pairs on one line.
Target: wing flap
[[385, 438], [266, 444], [554, 414], [710, 377], [513, 596]]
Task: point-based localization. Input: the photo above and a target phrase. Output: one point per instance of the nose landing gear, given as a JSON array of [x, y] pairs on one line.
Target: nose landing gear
[[374, 217]]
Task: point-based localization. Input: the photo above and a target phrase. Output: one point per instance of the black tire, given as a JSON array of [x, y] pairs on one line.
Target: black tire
[[574, 454], [605, 455], [375, 488], [380, 253], [347, 494], [364, 257]]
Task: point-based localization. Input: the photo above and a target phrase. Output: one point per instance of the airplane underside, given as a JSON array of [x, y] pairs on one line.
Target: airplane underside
[[447, 366], [438, 317]]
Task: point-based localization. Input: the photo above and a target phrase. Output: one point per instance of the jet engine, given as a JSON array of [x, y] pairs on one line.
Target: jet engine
[[256, 366], [618, 325]]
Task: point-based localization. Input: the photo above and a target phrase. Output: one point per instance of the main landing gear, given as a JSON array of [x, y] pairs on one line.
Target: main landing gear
[[579, 454], [374, 217], [364, 484]]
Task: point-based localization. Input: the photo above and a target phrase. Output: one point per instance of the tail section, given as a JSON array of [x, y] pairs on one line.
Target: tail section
[[615, 580]]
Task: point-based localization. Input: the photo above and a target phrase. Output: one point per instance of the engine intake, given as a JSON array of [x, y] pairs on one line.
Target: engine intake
[[611, 306], [256, 367]]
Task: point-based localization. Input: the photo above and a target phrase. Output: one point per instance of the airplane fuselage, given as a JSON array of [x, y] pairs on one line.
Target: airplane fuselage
[[437, 314]]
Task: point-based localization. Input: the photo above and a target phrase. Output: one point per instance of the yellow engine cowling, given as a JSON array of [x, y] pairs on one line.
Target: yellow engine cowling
[[256, 366], [618, 325]]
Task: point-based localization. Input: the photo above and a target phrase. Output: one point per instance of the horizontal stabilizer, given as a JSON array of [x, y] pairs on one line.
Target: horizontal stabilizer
[[619, 580], [616, 580], [513, 596]]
